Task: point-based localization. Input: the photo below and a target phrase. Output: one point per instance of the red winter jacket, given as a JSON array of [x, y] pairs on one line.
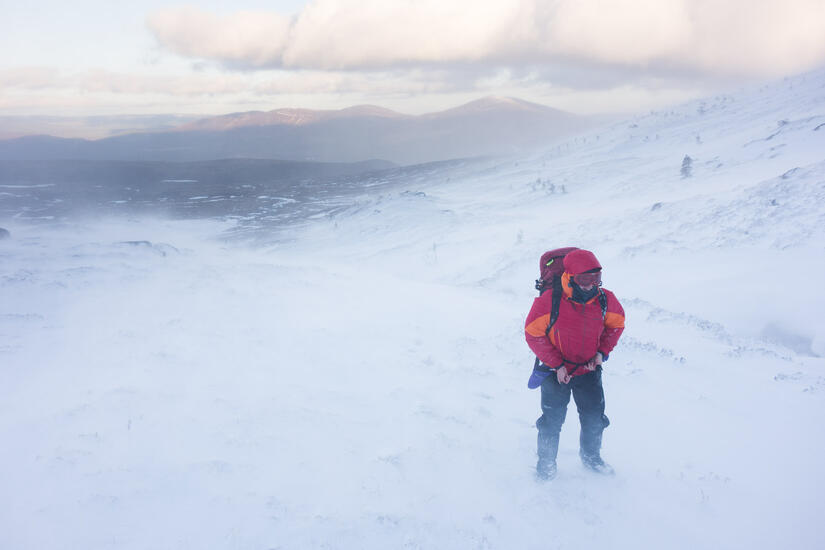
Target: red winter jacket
[[578, 333]]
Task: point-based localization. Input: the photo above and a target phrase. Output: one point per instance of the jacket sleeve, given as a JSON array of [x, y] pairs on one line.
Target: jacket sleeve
[[534, 331], [613, 325]]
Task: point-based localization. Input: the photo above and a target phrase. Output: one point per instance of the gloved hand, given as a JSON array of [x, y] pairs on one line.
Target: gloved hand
[[596, 361]]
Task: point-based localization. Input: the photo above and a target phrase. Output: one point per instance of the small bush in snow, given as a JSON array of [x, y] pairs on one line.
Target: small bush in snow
[[687, 167]]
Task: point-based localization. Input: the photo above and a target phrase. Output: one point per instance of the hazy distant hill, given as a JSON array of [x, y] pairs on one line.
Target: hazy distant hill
[[287, 117], [487, 126], [34, 172]]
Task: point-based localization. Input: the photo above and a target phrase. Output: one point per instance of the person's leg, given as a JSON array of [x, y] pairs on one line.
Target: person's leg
[[589, 396], [554, 400]]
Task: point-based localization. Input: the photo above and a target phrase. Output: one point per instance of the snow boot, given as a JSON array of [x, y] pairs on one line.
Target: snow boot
[[594, 463], [590, 441], [546, 469], [548, 448]]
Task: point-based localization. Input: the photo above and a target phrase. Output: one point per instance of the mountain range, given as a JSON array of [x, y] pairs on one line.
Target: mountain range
[[488, 126]]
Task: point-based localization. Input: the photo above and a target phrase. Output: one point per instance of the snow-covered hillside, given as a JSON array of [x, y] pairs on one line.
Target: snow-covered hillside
[[358, 380]]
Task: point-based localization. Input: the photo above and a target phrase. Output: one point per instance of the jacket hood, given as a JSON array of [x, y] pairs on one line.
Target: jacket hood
[[580, 261], [577, 262]]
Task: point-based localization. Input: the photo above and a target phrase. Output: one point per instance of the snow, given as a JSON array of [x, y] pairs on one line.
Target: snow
[[358, 380]]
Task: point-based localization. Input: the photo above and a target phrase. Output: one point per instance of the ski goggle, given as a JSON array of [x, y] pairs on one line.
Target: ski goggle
[[588, 279]]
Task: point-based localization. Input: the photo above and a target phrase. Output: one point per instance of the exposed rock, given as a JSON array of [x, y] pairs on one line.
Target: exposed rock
[[161, 249]]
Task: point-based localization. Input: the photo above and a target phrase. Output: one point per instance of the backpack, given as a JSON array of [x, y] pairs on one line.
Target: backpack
[[551, 268]]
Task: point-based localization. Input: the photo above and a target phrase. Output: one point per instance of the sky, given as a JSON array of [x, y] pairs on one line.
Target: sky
[[93, 57]]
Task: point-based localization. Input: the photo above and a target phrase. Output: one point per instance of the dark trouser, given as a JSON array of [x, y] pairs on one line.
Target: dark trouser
[[589, 396]]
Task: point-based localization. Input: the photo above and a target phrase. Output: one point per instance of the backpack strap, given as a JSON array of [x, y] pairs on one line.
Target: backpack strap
[[554, 309], [603, 302]]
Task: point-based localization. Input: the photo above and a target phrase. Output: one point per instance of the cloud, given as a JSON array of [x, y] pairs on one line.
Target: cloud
[[703, 37], [24, 80], [624, 32], [249, 38], [28, 78], [333, 34]]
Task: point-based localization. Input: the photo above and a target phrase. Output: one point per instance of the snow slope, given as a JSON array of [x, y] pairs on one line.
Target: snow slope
[[359, 380]]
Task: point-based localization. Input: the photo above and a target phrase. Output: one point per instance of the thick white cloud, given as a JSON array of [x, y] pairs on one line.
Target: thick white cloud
[[629, 32], [730, 38], [335, 34], [252, 38]]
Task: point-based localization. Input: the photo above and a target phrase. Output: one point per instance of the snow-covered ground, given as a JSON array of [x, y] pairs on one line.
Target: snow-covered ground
[[359, 381]]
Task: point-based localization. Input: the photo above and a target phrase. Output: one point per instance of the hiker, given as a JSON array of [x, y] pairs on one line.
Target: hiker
[[572, 336]]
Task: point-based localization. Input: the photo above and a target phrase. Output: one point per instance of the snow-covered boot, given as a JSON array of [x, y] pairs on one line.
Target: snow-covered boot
[[546, 469], [590, 441], [594, 463], [548, 448]]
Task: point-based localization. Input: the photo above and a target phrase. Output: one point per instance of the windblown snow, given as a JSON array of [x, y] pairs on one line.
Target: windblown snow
[[357, 378]]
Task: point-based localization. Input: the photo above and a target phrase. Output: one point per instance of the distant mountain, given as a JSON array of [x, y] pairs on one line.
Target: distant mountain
[[288, 117], [495, 104], [491, 125]]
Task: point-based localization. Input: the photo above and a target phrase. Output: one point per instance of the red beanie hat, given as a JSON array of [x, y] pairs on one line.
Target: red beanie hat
[[580, 261]]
